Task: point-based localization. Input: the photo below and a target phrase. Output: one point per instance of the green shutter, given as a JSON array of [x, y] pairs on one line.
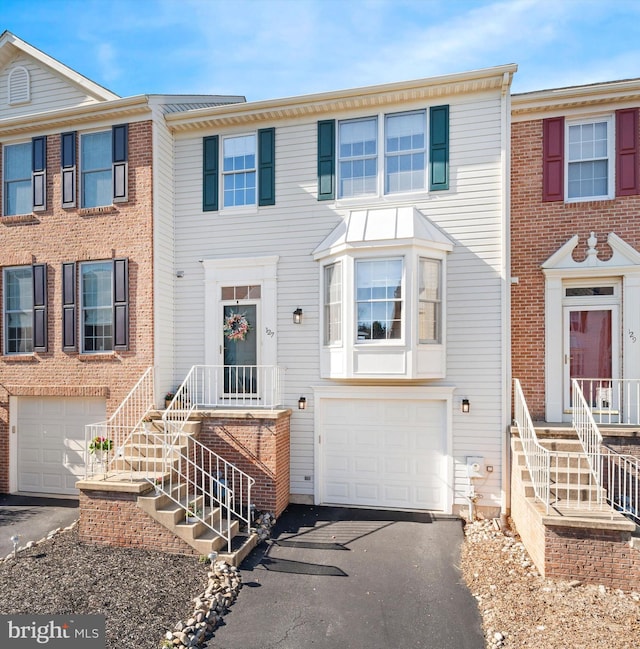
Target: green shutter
[[210, 173], [439, 147], [267, 166], [326, 160]]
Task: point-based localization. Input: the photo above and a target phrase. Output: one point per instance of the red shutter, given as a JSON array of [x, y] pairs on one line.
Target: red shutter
[[553, 159], [627, 182]]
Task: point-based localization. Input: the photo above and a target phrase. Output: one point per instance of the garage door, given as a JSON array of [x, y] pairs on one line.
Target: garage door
[[383, 453], [51, 441]]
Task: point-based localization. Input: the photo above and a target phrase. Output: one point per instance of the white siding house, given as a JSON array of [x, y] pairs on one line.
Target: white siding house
[[382, 214]]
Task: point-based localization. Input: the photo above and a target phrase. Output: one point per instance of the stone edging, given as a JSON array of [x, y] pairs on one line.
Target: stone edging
[[48, 537]]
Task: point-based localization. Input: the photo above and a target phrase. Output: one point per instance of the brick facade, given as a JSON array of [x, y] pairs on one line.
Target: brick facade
[[539, 229], [111, 518], [259, 446], [59, 235]]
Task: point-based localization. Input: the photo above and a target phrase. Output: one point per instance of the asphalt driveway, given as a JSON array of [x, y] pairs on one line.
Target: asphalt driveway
[[32, 518], [337, 578]]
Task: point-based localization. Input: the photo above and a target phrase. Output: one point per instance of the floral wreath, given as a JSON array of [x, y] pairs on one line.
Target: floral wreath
[[236, 326]]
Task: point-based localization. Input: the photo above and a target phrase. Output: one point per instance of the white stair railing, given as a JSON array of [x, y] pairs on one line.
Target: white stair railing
[[537, 458], [612, 401], [587, 429], [206, 486], [109, 438], [564, 480], [621, 474]]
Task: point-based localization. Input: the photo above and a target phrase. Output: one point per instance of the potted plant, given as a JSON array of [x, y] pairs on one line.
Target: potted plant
[[193, 512], [147, 422], [168, 398], [99, 447]]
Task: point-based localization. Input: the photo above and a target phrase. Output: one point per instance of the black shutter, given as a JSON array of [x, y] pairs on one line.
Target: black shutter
[[69, 306], [120, 157], [326, 160], [267, 166], [68, 164], [39, 307], [210, 173], [121, 304], [39, 175], [439, 147]]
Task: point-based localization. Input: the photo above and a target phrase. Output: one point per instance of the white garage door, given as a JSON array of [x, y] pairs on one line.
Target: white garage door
[[51, 441], [383, 453]]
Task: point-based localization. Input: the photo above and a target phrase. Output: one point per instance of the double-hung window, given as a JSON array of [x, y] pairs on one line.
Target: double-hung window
[[239, 170], [379, 299], [17, 179], [333, 304], [18, 310], [429, 301], [589, 159], [405, 152], [96, 163], [358, 157], [96, 307]]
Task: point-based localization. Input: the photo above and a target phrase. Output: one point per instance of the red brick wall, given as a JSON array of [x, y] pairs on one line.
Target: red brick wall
[[593, 556], [537, 231], [260, 448], [109, 518], [61, 235]]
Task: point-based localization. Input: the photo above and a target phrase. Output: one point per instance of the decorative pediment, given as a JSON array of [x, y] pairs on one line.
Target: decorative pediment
[[623, 255], [387, 226]]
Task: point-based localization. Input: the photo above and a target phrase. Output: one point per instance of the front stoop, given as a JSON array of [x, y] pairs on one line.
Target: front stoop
[[593, 545], [171, 515]]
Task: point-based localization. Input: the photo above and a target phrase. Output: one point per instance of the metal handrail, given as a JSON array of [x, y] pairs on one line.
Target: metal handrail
[[118, 429], [537, 458], [612, 401], [621, 476], [587, 429], [205, 485]]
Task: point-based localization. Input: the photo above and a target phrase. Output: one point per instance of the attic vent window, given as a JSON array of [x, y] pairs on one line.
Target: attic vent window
[[19, 86]]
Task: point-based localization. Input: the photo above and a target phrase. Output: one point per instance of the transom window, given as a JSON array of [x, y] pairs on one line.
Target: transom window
[[379, 299], [96, 163], [405, 155], [333, 304], [430, 301], [18, 310], [96, 290], [239, 170], [17, 179], [589, 159]]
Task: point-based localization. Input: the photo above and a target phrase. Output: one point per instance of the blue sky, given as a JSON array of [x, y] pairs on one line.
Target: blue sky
[[275, 48]]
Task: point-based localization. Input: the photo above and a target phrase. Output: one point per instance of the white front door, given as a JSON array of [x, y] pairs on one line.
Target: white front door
[[591, 351]]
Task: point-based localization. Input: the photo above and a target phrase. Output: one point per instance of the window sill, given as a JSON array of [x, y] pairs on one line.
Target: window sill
[[103, 356], [19, 219], [97, 211], [20, 358]]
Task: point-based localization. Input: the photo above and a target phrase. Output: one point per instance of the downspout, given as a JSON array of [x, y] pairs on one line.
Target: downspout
[[506, 295]]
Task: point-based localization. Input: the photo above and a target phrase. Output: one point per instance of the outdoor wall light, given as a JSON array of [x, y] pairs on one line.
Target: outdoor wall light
[[302, 403], [465, 405], [297, 316]]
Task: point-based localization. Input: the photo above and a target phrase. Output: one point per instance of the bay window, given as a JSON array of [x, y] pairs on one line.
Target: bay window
[[333, 304], [379, 299], [429, 300]]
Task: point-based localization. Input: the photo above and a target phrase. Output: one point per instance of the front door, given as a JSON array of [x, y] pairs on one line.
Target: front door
[[591, 352], [240, 352]]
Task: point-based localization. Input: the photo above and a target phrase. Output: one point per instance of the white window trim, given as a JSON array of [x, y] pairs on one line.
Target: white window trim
[[5, 320], [381, 157], [249, 208], [80, 318], [4, 180], [80, 166], [336, 263], [611, 152]]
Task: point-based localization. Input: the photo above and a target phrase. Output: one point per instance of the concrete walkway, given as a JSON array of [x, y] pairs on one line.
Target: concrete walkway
[[337, 578]]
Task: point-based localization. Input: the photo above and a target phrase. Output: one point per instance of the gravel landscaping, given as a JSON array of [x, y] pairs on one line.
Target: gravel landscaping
[[143, 594], [521, 609]]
